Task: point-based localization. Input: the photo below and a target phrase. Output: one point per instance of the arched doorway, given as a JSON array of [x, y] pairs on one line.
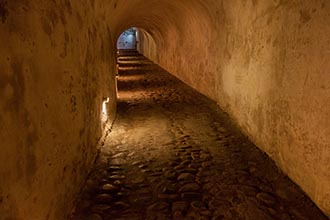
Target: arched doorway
[[127, 40]]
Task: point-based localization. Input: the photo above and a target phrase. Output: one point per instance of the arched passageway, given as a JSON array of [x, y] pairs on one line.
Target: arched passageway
[[172, 154], [266, 68]]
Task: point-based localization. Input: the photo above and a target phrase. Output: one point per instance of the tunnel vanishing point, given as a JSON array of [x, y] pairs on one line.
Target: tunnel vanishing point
[[264, 62]]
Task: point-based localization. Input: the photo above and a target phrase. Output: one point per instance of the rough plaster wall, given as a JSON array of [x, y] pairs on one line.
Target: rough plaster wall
[[147, 45], [275, 83], [265, 63], [54, 73]]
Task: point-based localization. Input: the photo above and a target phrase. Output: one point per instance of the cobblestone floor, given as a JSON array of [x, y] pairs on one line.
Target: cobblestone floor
[[172, 154]]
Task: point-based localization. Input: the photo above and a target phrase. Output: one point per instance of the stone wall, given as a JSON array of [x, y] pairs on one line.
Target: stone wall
[[55, 70], [147, 45]]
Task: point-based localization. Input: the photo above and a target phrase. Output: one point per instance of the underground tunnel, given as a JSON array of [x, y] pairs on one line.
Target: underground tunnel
[[221, 107]]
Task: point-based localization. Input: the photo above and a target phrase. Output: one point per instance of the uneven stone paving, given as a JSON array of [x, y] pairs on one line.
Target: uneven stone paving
[[172, 154]]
